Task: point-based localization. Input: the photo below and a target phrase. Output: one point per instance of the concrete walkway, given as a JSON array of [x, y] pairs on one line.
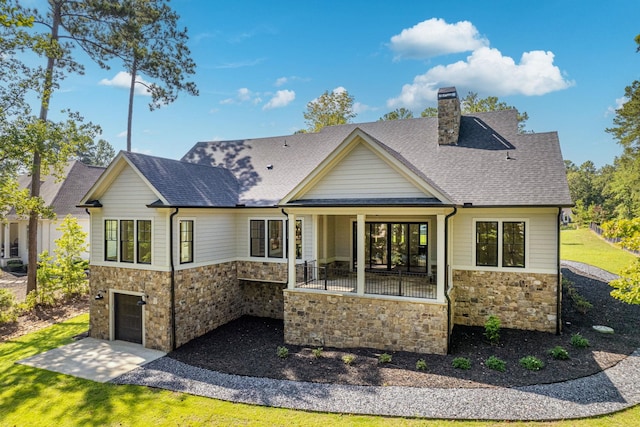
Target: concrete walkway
[[93, 359]]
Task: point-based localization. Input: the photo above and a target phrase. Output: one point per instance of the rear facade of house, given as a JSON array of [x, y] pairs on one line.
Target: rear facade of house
[[381, 235]]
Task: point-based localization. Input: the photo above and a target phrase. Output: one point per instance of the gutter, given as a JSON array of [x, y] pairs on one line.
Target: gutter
[[446, 273], [559, 279], [173, 281]]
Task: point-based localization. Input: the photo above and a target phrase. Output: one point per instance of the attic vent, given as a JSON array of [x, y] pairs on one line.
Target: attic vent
[[501, 141], [269, 167], [480, 124]]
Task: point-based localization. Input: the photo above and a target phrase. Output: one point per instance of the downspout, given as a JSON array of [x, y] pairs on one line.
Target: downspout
[[173, 281], [446, 273], [559, 279]]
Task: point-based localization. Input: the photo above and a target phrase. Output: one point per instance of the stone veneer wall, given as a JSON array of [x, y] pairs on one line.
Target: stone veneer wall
[[520, 300], [324, 319], [263, 299], [157, 311], [206, 297], [262, 271]]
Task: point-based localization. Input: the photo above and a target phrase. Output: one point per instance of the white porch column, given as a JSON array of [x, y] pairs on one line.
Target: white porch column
[[314, 255], [324, 239], [360, 255], [291, 251], [442, 269], [5, 239]]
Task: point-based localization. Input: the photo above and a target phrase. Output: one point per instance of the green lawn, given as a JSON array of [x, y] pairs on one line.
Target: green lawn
[[33, 397], [586, 246]]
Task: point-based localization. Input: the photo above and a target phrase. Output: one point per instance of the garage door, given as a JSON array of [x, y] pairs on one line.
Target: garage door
[[128, 318]]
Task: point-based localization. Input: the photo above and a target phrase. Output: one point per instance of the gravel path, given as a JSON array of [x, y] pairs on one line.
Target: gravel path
[[612, 390]]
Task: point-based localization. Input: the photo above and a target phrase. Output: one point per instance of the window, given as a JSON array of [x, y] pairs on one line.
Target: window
[[513, 244], [257, 238], [399, 246], [487, 243], [186, 241], [126, 241], [275, 239], [509, 236], [144, 242], [111, 240], [298, 239]]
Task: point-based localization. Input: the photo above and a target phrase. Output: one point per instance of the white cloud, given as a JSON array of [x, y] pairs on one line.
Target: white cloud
[[123, 80], [359, 107], [488, 69], [122, 134], [281, 81], [137, 150], [282, 98], [435, 37], [243, 95], [619, 103]]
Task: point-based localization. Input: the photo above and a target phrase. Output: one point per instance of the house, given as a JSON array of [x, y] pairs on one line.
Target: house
[[62, 196], [381, 235]]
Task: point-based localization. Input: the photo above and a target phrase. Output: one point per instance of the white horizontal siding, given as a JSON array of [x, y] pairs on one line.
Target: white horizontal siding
[[541, 235], [363, 174], [214, 235]]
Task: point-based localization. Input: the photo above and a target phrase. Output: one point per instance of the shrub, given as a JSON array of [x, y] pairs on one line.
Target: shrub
[[8, 312], [348, 359], [578, 341], [461, 363], [282, 352], [496, 364], [421, 365], [559, 353], [531, 363], [581, 304], [317, 352], [492, 329], [384, 358]]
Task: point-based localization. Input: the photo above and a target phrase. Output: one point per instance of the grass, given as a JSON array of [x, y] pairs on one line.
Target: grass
[[584, 245], [34, 397]]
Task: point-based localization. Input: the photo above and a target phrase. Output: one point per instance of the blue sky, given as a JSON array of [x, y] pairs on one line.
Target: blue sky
[[566, 63]]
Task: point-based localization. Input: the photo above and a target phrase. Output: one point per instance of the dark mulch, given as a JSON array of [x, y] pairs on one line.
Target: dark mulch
[[248, 346]]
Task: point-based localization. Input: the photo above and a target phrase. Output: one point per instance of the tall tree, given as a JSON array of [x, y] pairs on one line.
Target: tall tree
[[96, 153], [146, 38], [329, 109], [429, 112], [397, 114], [473, 104]]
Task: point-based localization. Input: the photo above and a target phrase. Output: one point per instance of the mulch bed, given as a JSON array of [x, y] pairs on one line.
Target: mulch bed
[[248, 346]]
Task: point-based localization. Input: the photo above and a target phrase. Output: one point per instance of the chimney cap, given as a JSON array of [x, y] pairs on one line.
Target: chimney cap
[[447, 92]]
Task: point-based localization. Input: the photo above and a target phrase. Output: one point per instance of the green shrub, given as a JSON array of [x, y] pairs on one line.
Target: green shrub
[[348, 359], [384, 358], [8, 309], [421, 365], [461, 363], [317, 352], [581, 304], [578, 341], [531, 363], [496, 364], [559, 353], [282, 352], [492, 329]]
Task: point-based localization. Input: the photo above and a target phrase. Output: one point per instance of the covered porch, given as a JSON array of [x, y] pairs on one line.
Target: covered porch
[[384, 251]]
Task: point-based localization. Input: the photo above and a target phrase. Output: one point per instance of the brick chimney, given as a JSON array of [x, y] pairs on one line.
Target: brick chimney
[[448, 116]]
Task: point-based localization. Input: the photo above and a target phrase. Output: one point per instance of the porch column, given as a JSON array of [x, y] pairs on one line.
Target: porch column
[[291, 251], [5, 240], [324, 239], [360, 255], [315, 254], [442, 269]]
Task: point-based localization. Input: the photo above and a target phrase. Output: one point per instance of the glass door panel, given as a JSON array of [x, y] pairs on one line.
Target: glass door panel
[[418, 247], [399, 258]]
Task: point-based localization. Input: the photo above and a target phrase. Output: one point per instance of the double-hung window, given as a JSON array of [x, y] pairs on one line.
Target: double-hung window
[[111, 240], [186, 241], [127, 238], [500, 243], [144, 242]]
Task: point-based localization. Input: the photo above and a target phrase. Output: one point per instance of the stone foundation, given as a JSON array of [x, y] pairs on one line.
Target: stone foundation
[[263, 299], [520, 300], [157, 311], [262, 271], [324, 319]]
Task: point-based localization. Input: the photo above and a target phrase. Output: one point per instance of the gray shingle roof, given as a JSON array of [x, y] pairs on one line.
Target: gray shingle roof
[[492, 165], [186, 184]]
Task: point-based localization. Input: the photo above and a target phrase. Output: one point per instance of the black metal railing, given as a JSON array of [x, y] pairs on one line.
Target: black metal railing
[[395, 283]]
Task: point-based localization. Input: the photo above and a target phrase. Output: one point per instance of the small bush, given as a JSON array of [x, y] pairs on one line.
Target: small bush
[[559, 353], [531, 363], [492, 329], [461, 363], [578, 341], [384, 358], [8, 312], [282, 352], [348, 359], [496, 364], [580, 303], [421, 365], [317, 352]]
